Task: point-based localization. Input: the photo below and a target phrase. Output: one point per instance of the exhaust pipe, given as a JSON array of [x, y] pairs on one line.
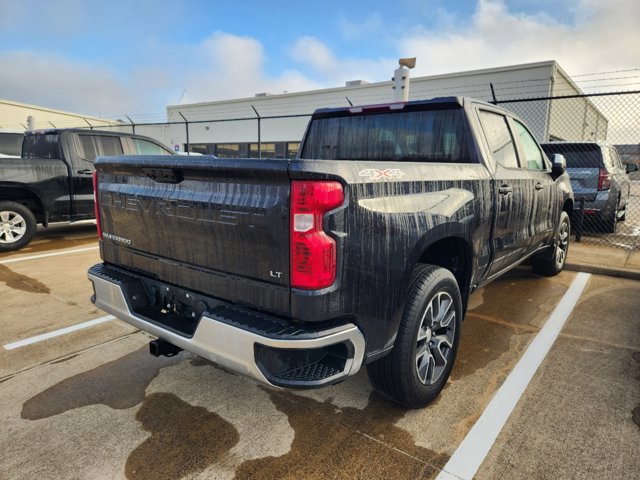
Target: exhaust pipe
[[163, 348]]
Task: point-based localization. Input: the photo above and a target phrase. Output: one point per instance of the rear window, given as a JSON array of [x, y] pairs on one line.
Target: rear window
[[41, 146], [11, 143], [578, 155], [422, 136]]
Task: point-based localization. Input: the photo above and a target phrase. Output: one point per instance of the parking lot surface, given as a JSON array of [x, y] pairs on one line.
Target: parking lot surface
[[94, 404]]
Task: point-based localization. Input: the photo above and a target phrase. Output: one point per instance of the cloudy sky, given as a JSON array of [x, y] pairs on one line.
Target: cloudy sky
[[135, 57]]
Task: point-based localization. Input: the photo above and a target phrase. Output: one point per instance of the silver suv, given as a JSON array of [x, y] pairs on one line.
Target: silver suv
[[597, 176]]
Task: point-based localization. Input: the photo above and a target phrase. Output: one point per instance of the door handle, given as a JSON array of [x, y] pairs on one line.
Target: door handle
[[505, 190], [86, 171], [539, 186]]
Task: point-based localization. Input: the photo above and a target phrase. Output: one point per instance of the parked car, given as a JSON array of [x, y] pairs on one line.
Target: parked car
[[362, 251], [52, 181], [598, 177]]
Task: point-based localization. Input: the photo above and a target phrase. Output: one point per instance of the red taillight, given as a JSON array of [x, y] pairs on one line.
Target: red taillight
[[604, 179], [95, 203], [313, 252]]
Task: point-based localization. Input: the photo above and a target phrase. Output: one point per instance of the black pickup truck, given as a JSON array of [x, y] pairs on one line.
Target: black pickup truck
[[52, 182], [362, 251]]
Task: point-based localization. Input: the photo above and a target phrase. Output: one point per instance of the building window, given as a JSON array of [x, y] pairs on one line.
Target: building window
[[292, 149], [267, 150], [198, 148], [228, 150]]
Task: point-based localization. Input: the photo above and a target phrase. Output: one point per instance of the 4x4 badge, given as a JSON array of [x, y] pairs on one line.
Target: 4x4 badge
[[375, 174]]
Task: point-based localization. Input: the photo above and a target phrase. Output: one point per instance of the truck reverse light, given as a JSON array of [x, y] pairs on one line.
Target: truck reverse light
[[313, 252], [95, 203]]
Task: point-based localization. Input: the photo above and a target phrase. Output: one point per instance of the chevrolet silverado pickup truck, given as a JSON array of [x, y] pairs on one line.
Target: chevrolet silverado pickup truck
[[363, 251], [52, 181]]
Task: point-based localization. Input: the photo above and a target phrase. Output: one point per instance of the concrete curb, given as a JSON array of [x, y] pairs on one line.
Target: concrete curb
[[602, 270]]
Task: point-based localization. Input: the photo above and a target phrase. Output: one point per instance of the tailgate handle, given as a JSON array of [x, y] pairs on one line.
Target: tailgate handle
[[163, 175]]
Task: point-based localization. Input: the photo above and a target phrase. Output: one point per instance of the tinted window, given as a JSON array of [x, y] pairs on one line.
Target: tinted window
[[423, 136], [578, 155], [109, 146], [144, 147], [41, 146], [11, 143], [498, 135], [87, 148], [533, 155]]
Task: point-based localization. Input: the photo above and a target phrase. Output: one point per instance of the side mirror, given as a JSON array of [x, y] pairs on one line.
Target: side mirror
[[631, 167], [559, 164]]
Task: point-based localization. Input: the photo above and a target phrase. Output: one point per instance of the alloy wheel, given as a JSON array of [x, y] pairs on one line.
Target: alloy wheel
[[434, 347], [13, 226]]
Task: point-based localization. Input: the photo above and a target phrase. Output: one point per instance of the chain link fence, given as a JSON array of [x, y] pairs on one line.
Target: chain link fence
[[599, 136]]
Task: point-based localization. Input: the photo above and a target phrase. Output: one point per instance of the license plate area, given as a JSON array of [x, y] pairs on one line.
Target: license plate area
[[168, 306]]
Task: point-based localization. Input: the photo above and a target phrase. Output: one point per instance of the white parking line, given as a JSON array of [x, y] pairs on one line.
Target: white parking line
[[45, 255], [57, 333], [466, 460]]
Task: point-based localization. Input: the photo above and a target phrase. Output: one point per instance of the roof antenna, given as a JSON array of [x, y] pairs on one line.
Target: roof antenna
[[349, 101]]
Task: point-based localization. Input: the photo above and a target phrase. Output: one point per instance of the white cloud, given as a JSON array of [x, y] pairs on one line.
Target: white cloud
[[332, 70], [371, 25], [232, 66], [601, 36], [57, 82]]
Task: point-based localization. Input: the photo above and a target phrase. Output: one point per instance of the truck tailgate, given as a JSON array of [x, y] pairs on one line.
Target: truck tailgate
[[209, 224]]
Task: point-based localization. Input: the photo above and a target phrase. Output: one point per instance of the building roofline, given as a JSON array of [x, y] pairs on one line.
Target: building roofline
[[465, 73], [51, 110]]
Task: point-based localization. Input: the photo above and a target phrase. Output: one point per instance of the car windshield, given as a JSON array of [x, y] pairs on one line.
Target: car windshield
[[421, 136], [578, 155]]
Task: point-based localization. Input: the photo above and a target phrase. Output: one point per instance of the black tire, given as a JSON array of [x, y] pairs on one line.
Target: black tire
[[398, 375], [550, 264], [17, 226], [609, 224]]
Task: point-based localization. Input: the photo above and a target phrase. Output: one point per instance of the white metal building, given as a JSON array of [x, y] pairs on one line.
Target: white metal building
[[21, 116], [211, 131]]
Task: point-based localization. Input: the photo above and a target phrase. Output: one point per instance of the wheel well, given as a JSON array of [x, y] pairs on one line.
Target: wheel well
[[26, 198], [454, 254]]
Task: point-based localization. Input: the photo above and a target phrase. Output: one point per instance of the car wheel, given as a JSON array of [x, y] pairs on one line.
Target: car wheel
[[417, 368], [550, 265], [17, 226], [623, 217]]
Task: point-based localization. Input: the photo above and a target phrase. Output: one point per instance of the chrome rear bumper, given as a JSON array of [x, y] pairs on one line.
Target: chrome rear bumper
[[235, 347]]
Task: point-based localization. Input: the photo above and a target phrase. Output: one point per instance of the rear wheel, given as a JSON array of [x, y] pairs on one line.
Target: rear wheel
[[549, 265], [417, 368], [17, 226], [609, 224]]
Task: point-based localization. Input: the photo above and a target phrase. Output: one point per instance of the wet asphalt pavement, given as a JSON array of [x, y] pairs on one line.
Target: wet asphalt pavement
[[93, 404]]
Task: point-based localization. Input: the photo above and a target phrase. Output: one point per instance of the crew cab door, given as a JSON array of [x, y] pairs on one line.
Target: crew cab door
[[512, 192], [83, 149], [540, 184]]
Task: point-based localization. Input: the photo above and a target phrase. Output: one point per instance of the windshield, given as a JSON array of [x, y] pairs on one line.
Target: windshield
[[578, 155], [422, 136]]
